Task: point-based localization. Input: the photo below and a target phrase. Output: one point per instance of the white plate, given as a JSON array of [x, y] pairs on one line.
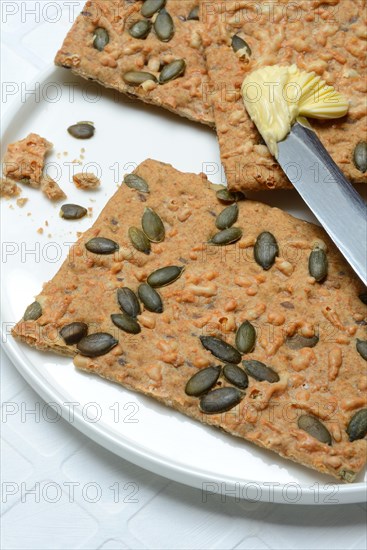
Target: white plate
[[130, 425]]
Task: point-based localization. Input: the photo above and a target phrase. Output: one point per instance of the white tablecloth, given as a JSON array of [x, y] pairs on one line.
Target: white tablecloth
[[59, 489]]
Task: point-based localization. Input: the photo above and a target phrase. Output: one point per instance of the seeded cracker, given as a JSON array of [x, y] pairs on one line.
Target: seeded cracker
[[199, 311], [326, 37], [100, 47]]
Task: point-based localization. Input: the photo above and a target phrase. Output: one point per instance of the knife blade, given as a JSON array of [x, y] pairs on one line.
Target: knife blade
[[327, 192]]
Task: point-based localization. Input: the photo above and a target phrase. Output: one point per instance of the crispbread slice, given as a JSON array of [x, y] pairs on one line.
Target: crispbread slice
[[125, 53], [220, 288], [325, 37]]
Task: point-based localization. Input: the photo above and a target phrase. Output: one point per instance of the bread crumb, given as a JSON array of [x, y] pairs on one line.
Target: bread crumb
[[8, 188], [51, 189], [22, 202], [86, 180]]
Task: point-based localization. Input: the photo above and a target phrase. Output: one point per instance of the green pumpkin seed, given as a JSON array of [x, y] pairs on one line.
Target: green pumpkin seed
[[153, 226], [82, 130], [194, 14], [297, 342], [226, 196], [33, 312], [150, 298], [73, 212], [246, 337], [150, 7], [172, 70], [318, 264], [202, 381], [164, 276], [73, 333], [227, 217], [220, 400], [363, 297], [360, 156], [266, 250], [136, 78], [101, 245], [227, 236], [361, 346], [136, 182], [357, 427], [163, 26], [220, 349], [128, 302], [101, 38], [96, 344], [139, 240], [259, 371], [140, 29], [126, 323], [314, 428], [240, 45], [236, 376]]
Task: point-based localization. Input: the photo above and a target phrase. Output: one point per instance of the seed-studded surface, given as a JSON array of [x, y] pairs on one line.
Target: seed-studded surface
[[325, 37], [220, 288], [87, 52]]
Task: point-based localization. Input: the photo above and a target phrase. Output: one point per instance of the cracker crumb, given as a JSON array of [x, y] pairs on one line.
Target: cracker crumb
[[24, 159], [8, 188], [51, 189], [46, 223], [22, 202], [40, 230], [86, 180]]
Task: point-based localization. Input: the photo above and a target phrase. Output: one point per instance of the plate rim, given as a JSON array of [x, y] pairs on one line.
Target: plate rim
[[347, 493]]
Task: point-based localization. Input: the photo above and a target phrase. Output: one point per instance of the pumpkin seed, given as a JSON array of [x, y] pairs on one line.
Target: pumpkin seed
[[139, 240], [363, 297], [150, 298], [202, 381], [259, 371], [73, 212], [101, 245], [153, 226], [236, 376], [347, 475], [318, 264], [33, 312], [227, 196], [172, 70], [73, 333], [150, 7], [82, 130], [240, 45], [266, 250], [246, 337], [194, 14], [220, 349], [164, 276], [227, 217], [140, 29], [128, 302], [96, 344], [136, 182], [220, 400], [298, 342], [360, 156], [361, 346], [101, 38], [357, 427], [126, 323], [227, 236], [163, 26], [136, 78], [314, 428]]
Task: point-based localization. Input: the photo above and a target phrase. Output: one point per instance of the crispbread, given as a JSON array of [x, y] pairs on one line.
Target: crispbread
[[125, 53], [220, 288], [325, 37]]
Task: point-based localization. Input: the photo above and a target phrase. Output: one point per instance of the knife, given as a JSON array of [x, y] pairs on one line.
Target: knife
[[327, 192]]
